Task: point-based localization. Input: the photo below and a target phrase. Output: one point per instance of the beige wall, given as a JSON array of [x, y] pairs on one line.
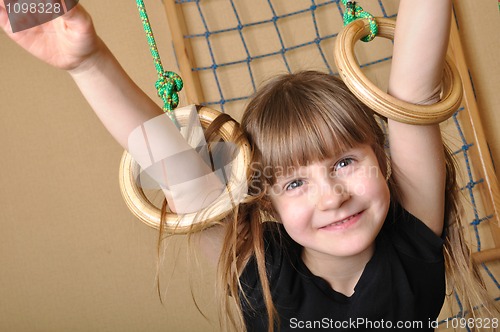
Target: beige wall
[[478, 30], [72, 257]]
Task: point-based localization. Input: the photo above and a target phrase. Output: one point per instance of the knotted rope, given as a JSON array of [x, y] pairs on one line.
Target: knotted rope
[[169, 83], [354, 12]]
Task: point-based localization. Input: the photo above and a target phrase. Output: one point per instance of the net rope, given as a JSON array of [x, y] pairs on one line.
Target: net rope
[[205, 36], [471, 187], [281, 52]]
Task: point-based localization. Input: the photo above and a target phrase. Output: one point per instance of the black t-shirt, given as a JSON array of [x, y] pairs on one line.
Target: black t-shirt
[[402, 286]]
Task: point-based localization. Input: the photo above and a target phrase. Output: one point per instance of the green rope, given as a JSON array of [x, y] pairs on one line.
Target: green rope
[[169, 83], [354, 12]]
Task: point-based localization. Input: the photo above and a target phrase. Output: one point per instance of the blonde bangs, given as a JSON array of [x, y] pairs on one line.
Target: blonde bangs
[[305, 126]]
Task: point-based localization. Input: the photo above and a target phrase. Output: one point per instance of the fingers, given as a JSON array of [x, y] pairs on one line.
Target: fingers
[[76, 14], [18, 16], [78, 20], [4, 19]]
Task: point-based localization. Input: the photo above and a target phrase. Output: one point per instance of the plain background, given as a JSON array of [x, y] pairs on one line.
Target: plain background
[[72, 257]]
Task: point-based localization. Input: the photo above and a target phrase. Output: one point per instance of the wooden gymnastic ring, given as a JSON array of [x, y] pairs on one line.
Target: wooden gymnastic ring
[[144, 210], [381, 102]]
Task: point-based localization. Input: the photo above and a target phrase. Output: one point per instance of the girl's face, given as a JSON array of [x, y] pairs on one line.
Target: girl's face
[[334, 207]]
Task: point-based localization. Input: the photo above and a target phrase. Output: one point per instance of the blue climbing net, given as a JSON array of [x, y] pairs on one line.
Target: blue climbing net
[[239, 44], [257, 44]]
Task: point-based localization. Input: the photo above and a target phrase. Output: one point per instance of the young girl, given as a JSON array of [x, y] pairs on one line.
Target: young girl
[[356, 240]]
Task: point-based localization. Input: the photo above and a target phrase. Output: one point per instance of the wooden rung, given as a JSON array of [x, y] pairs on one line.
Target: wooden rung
[[484, 160], [486, 255], [183, 52]]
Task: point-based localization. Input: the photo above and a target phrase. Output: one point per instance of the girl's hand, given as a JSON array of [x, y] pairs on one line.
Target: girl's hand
[[67, 42]]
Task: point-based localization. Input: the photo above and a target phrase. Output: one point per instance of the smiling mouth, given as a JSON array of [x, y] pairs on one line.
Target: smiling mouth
[[343, 221]]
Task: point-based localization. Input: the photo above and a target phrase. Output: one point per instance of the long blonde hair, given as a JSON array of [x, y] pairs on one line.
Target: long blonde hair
[[305, 117], [294, 119]]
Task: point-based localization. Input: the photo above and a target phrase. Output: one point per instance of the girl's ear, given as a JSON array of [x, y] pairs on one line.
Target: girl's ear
[[267, 209], [388, 171], [384, 160]]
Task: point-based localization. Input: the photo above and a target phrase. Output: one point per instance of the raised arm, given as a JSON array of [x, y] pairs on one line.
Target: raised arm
[[71, 43], [417, 153]]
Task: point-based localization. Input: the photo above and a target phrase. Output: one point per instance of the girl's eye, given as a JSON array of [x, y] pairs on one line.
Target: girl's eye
[[343, 163], [294, 184]]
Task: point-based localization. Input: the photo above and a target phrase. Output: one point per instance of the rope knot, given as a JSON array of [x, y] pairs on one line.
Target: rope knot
[[168, 86], [354, 12]]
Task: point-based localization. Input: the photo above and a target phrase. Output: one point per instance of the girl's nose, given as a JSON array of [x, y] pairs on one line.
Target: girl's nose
[[331, 197]]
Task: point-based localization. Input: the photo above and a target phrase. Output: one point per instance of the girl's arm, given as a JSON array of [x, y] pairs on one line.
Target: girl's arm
[[417, 152], [71, 43]]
